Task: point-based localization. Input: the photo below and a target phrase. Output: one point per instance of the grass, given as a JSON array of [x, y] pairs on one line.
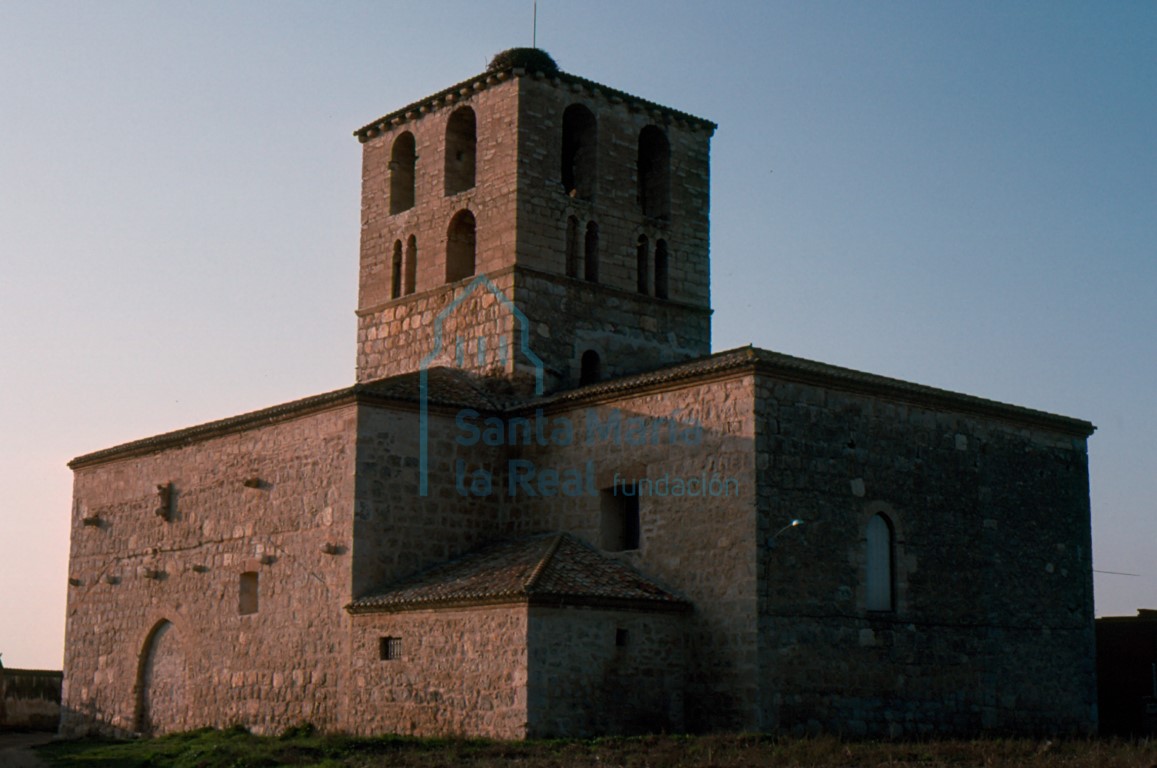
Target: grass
[[236, 748]]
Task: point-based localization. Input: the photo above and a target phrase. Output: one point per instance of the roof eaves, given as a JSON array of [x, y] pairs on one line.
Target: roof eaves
[[487, 79]]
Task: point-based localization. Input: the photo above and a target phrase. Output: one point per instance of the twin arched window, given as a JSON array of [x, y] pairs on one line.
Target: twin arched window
[[583, 264], [642, 268], [404, 272]]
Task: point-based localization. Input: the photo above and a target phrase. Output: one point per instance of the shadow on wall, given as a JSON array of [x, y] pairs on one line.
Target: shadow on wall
[[29, 699]]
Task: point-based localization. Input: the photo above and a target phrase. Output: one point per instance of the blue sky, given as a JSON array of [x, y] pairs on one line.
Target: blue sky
[[962, 194]]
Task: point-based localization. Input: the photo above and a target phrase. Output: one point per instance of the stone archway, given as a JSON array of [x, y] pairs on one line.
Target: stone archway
[[162, 682]]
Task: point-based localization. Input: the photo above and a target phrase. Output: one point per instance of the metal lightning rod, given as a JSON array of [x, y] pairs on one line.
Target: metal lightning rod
[[534, 33]]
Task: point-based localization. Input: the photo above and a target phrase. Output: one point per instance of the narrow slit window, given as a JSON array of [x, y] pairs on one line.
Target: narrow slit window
[[642, 262], [396, 271], [573, 256], [662, 270], [411, 270], [880, 580], [248, 598], [591, 253]]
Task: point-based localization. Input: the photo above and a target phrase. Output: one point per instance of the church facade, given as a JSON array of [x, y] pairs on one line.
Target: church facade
[[546, 508]]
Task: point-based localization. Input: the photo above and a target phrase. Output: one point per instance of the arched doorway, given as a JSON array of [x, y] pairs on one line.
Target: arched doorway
[[162, 682]]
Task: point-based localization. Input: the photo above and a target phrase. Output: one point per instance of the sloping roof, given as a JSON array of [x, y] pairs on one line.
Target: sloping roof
[[775, 364], [547, 569], [445, 387]]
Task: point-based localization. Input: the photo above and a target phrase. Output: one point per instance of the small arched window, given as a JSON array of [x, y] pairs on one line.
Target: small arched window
[[591, 253], [590, 368], [573, 257], [579, 151], [879, 564], [662, 269], [396, 271], [654, 170], [460, 247], [642, 261], [411, 270], [460, 150], [403, 157]]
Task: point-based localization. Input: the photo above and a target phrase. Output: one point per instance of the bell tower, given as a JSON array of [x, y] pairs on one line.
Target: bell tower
[[528, 218]]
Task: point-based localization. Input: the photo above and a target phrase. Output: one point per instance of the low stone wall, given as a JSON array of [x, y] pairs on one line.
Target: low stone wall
[[29, 699]]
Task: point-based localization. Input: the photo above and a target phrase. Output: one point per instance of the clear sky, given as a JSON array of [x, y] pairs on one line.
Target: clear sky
[[962, 194]]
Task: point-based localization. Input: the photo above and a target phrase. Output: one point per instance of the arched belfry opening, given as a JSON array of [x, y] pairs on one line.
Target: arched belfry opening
[[654, 172], [579, 152], [460, 245], [461, 143], [403, 158], [162, 682]]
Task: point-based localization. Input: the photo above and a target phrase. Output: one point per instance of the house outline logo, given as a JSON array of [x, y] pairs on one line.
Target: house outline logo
[[520, 319]]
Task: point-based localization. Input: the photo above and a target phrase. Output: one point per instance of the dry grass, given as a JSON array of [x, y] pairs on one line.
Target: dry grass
[[236, 748]]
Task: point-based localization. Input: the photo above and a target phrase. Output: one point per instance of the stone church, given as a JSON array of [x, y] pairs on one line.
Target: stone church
[[547, 508]]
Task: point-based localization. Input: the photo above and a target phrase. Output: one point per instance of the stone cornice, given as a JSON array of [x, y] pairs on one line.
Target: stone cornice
[[520, 269], [358, 393], [729, 364], [449, 96], [753, 361]]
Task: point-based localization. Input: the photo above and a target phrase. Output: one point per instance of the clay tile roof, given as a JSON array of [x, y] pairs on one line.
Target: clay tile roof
[[547, 569], [444, 386]]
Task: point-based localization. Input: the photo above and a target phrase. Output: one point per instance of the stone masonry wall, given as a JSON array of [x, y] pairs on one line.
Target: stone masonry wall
[[598, 672], [29, 699], [700, 545], [459, 672], [491, 199], [991, 628], [544, 204], [479, 333], [399, 532], [630, 333], [521, 211], [155, 616]]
